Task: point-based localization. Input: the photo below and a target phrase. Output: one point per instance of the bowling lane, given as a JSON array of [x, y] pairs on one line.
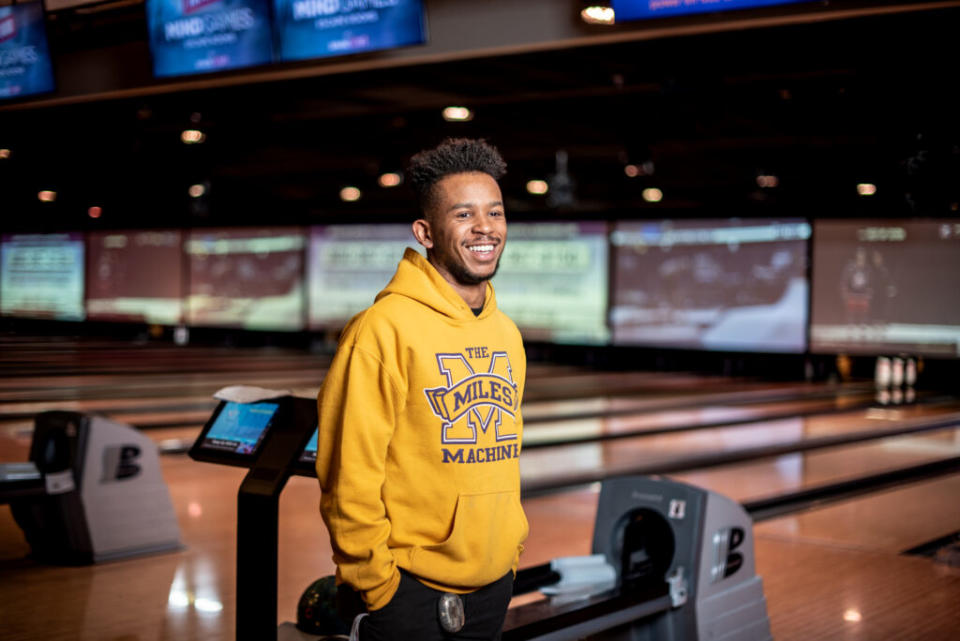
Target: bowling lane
[[546, 432], [172, 428], [570, 514], [831, 592], [697, 448], [891, 521], [153, 386], [706, 390]]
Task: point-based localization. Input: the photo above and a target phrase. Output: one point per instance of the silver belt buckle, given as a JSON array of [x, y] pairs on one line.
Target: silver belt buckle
[[450, 612]]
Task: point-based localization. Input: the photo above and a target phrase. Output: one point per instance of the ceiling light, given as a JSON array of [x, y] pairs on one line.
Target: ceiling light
[[390, 179], [350, 194], [457, 114], [47, 196], [192, 136], [4, 154], [767, 181], [598, 15], [632, 171], [866, 189], [652, 195], [94, 212], [197, 190], [537, 187]]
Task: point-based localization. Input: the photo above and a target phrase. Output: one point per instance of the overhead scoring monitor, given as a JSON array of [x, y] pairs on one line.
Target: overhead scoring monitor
[[248, 278], [552, 281], [348, 266], [135, 276], [886, 285], [721, 284], [42, 276]]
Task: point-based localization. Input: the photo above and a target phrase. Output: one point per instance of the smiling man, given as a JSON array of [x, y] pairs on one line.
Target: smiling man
[[420, 424]]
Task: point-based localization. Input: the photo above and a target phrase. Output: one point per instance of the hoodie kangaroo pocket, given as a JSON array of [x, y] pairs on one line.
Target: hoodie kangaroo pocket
[[486, 534]]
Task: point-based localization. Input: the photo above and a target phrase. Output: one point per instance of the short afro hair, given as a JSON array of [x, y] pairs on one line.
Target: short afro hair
[[452, 156]]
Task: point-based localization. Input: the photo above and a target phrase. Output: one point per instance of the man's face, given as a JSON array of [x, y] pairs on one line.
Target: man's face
[[465, 227]]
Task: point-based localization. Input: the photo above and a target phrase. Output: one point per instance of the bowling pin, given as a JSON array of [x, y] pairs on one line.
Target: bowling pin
[[881, 375], [896, 371]]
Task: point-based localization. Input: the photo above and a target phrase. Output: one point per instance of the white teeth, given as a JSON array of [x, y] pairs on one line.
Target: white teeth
[[481, 248]]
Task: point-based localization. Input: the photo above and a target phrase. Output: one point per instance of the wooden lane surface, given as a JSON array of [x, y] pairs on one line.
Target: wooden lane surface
[[177, 595], [810, 585], [654, 420], [543, 465], [744, 482]]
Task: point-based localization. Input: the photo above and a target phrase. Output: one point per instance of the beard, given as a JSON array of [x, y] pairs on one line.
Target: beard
[[460, 272]]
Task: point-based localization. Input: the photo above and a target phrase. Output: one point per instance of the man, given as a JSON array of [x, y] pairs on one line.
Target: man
[[420, 424]]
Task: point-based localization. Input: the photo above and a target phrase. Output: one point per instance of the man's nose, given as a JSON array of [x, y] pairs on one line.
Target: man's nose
[[483, 224]]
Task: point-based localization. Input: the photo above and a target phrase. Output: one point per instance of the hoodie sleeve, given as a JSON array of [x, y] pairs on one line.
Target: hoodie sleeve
[[357, 407]]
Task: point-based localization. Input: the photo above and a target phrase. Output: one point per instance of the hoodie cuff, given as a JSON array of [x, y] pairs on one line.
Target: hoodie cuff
[[381, 595]]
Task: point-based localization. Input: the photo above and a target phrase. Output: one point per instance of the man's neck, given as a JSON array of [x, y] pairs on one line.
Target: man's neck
[[473, 295]]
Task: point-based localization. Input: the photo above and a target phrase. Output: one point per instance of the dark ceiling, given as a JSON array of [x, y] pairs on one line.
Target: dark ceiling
[[821, 106]]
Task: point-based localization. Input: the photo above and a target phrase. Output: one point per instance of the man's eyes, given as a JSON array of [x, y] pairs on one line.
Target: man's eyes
[[466, 214]]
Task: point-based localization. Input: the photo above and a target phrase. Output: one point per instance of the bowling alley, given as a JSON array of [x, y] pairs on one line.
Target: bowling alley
[[429, 320]]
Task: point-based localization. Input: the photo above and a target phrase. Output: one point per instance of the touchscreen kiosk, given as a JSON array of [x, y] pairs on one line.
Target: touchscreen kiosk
[[234, 432], [307, 463]]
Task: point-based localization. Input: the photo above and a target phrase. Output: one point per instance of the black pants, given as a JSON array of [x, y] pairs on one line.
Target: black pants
[[411, 614]]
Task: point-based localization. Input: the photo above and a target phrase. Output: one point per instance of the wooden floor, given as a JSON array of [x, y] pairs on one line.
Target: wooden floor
[[837, 572]]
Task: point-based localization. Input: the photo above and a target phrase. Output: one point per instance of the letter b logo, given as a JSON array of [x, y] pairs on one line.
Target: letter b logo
[[120, 462]]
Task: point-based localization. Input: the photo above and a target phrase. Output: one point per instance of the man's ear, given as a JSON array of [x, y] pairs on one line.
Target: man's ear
[[423, 233]]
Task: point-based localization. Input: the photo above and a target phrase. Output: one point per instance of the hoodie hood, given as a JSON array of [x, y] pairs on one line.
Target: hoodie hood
[[417, 279]]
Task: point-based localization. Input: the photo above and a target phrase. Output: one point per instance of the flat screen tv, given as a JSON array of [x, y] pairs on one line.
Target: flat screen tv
[[720, 284], [246, 278], [552, 281], [626, 10], [349, 265], [135, 276], [41, 276], [323, 28], [25, 65], [886, 285], [201, 36]]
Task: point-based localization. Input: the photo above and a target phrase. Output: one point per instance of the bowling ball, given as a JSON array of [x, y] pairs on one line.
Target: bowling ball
[[317, 609]]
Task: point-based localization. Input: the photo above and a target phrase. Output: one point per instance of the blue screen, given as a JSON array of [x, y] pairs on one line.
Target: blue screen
[[641, 9], [199, 36], [321, 28], [239, 427], [310, 451], [25, 66]]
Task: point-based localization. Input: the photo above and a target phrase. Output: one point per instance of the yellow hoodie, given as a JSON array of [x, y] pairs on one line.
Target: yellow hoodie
[[420, 433]]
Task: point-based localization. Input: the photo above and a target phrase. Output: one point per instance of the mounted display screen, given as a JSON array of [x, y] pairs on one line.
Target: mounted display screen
[[135, 276], [881, 286], [728, 285], [239, 428], [310, 451], [349, 265], [41, 276], [200, 36], [644, 9], [322, 28], [552, 281], [247, 278], [25, 65]]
